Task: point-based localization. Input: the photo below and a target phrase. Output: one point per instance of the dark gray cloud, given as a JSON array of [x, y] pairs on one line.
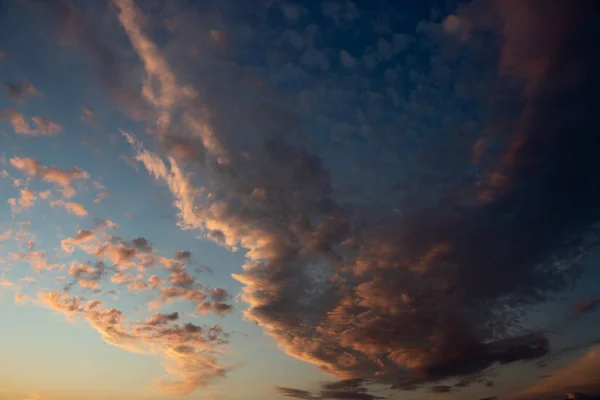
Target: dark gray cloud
[[295, 393], [349, 389], [183, 255]]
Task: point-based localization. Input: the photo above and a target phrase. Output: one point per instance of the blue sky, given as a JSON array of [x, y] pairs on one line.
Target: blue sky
[[315, 200]]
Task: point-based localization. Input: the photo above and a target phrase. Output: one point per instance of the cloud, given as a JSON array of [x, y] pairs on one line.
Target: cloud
[[87, 273], [74, 30], [132, 163], [6, 235], [88, 115], [580, 376], [406, 286], [295, 393], [26, 200], [215, 307], [341, 12], [159, 75], [350, 389], [183, 255], [37, 260], [142, 244], [162, 319], [20, 91], [73, 208], [82, 236], [587, 305], [55, 175], [347, 60], [44, 126], [189, 350]]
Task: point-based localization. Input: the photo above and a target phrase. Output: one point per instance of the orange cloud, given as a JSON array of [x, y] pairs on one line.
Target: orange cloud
[[189, 350], [57, 176], [72, 208], [44, 126], [82, 236]]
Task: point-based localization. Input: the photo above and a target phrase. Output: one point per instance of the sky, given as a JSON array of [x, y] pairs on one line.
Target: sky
[[277, 199]]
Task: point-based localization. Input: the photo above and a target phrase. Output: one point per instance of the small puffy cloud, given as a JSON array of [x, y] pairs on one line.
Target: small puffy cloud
[[347, 60], [587, 305], [457, 26], [82, 236], [219, 294], [181, 279], [183, 255], [162, 319], [43, 126], [142, 244], [100, 197], [61, 302], [20, 91], [17, 120], [6, 235], [37, 259], [215, 307], [155, 281], [88, 115], [6, 284], [55, 175], [121, 277], [72, 208], [87, 273], [46, 126], [26, 200]]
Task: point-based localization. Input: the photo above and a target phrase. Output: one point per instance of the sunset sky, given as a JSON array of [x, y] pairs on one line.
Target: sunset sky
[[272, 199]]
